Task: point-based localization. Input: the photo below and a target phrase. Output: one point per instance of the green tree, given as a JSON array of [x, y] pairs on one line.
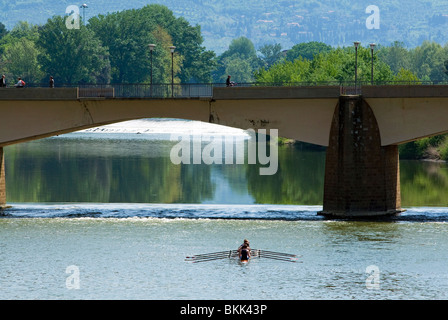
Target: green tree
[[127, 38], [396, 56], [128, 33], [72, 55], [162, 70], [240, 69], [337, 65], [381, 71], [3, 33], [241, 54], [285, 73], [3, 30], [18, 53], [406, 76], [198, 63], [20, 60], [22, 30], [428, 60], [242, 47], [334, 66], [307, 50], [445, 63], [271, 54]]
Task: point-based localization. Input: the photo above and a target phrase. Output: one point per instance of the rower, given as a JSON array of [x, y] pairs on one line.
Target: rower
[[246, 242], [244, 253]]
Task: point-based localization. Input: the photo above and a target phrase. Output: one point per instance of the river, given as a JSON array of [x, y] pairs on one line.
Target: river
[[105, 214]]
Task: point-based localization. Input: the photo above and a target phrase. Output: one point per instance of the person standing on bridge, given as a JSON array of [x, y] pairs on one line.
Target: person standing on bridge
[[3, 81], [51, 82]]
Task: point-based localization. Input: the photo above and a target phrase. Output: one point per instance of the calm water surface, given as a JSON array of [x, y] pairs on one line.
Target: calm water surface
[[113, 207]]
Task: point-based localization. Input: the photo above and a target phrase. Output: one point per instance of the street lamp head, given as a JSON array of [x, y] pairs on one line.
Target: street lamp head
[[172, 49], [84, 6], [356, 43], [372, 46], [151, 46]]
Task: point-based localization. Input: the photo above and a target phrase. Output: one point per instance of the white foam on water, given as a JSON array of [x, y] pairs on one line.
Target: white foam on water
[[167, 126]]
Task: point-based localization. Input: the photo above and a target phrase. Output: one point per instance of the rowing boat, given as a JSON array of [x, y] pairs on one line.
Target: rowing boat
[[233, 254]]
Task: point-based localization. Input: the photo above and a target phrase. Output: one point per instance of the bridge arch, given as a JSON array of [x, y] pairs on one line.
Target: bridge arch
[[306, 119], [30, 120]]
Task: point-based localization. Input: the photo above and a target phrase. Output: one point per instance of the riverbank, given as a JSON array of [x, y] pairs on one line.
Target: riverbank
[[429, 149], [300, 145], [432, 149]]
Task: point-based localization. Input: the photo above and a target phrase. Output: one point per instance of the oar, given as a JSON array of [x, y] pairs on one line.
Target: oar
[[209, 254], [211, 259], [254, 252], [217, 257], [264, 254], [205, 259], [279, 258], [278, 253], [287, 256]]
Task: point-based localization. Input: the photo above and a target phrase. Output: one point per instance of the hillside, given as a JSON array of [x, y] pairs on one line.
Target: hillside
[[335, 22]]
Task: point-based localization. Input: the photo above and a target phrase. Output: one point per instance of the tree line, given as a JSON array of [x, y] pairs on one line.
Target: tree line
[[113, 48], [315, 62]]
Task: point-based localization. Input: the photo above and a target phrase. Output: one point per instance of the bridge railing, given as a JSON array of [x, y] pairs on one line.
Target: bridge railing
[[156, 91], [205, 90]]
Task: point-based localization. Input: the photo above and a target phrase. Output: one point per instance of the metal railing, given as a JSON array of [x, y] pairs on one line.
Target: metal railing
[[155, 91], [205, 90]]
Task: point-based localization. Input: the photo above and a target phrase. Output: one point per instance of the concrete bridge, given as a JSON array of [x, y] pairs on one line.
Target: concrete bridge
[[362, 132]]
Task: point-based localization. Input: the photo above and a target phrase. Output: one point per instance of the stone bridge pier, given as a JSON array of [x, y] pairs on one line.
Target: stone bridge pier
[[2, 180], [362, 178]]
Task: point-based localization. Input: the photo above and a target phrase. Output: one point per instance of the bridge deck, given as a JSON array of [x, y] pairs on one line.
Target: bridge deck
[[403, 112], [218, 91]]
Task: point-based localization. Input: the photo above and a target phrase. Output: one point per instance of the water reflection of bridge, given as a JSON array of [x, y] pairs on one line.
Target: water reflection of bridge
[[361, 131]]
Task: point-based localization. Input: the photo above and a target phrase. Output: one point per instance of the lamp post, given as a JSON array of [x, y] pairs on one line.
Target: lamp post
[[372, 47], [84, 6], [356, 43], [151, 49], [172, 48]]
